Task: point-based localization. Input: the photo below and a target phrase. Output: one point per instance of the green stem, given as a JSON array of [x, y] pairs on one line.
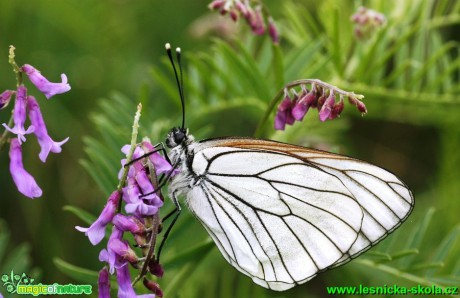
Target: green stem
[[129, 156], [18, 73], [152, 222], [296, 83], [17, 70]]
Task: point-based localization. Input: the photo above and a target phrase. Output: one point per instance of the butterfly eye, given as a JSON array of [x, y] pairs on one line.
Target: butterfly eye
[[175, 137], [179, 136]]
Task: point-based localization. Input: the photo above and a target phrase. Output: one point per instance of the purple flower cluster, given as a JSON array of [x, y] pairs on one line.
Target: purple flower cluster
[[141, 203], [26, 105], [294, 108], [257, 18], [367, 21]]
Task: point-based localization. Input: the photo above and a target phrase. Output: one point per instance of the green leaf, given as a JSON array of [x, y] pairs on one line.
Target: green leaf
[[4, 238], [444, 248], [191, 256], [425, 266], [87, 217], [78, 273], [18, 259], [278, 66]]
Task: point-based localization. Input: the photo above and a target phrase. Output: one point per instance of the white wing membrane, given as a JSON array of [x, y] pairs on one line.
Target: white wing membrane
[[281, 218]]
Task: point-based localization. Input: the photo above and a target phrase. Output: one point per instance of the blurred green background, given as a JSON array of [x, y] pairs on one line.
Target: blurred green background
[[113, 55]]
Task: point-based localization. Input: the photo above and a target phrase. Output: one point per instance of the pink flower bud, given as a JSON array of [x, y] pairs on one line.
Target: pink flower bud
[[337, 109], [5, 98], [216, 4], [154, 287], [326, 109], [272, 31], [103, 284]]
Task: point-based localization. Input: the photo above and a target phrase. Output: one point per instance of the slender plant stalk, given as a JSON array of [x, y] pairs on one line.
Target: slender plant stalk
[[129, 157], [398, 273], [18, 73], [152, 223]]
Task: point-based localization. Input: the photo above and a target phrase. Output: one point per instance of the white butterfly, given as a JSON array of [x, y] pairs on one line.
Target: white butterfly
[[282, 213]]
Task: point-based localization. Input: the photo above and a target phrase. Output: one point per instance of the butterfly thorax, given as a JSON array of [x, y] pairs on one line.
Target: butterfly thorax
[[182, 147]]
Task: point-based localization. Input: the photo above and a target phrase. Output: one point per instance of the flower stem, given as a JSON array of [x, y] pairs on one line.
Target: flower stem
[[293, 84], [152, 223], [18, 73], [129, 157], [16, 68]]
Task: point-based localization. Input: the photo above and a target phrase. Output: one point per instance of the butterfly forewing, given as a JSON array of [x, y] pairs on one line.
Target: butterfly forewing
[[281, 213]]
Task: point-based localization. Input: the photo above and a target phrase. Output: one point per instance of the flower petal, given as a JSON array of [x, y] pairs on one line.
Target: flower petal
[[48, 88], [47, 144], [96, 231], [103, 284], [24, 181], [19, 115]]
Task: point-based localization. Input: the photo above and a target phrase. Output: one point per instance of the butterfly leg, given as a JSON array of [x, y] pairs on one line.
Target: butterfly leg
[[162, 149], [176, 213], [163, 179]]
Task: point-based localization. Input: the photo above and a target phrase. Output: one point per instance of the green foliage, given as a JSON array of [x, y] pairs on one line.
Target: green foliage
[[409, 74], [407, 65], [413, 262], [14, 258]]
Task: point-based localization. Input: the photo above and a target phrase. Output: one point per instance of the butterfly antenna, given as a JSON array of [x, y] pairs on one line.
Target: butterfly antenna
[[179, 61], [179, 82]]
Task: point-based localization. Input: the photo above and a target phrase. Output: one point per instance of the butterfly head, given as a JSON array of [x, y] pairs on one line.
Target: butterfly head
[[176, 137]]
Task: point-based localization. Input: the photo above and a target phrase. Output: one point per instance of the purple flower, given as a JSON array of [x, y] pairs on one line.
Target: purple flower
[[19, 115], [103, 283], [257, 22], [123, 250], [303, 104], [128, 223], [109, 256], [337, 109], [162, 166], [156, 269], [367, 22], [153, 286], [96, 231], [125, 289], [216, 4], [144, 183], [359, 104], [137, 153], [327, 107], [46, 143], [5, 98], [46, 87], [135, 204], [272, 31], [284, 113], [256, 18], [24, 181]]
